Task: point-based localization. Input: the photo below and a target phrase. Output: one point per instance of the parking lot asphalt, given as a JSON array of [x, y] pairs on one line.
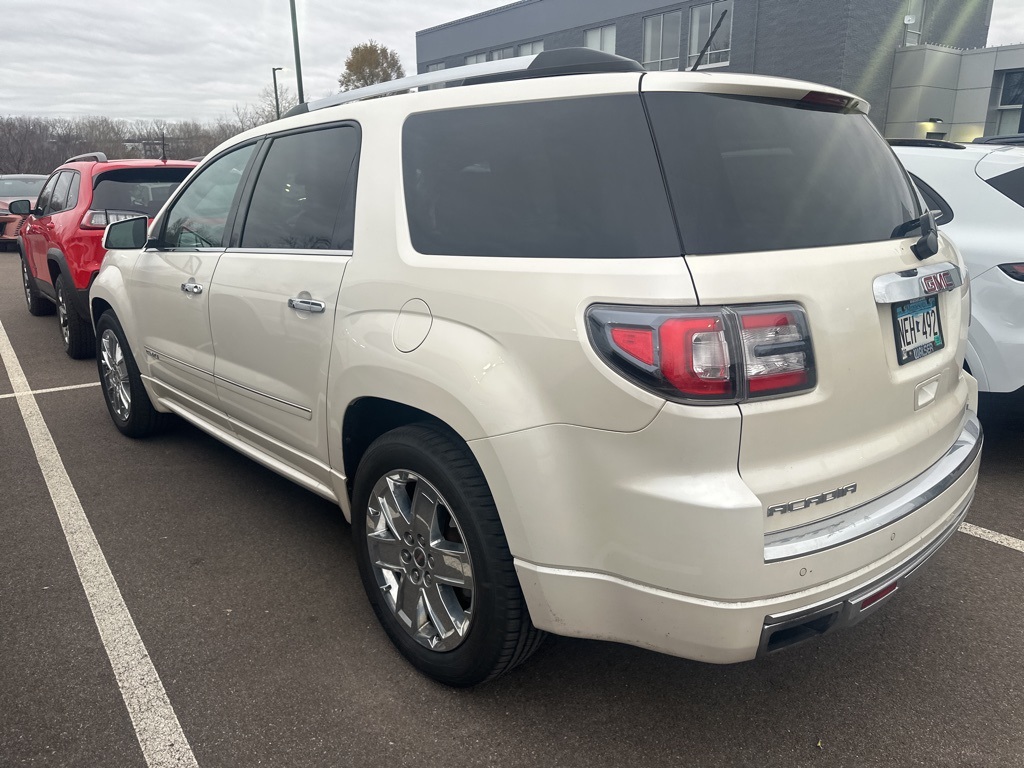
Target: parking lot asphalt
[[246, 596]]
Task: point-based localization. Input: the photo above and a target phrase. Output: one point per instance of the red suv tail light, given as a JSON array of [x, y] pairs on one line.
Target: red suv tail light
[[707, 354], [100, 219]]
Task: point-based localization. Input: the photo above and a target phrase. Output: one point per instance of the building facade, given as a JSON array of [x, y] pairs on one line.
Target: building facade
[[848, 44], [945, 93]]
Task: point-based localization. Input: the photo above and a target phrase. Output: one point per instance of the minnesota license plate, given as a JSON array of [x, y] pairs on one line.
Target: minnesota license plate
[[918, 329]]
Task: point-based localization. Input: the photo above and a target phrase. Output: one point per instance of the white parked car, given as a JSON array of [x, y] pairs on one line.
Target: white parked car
[[611, 354], [978, 190]]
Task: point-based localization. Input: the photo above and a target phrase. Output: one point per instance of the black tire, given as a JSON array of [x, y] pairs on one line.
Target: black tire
[[76, 331], [499, 633], [37, 304], [138, 418]]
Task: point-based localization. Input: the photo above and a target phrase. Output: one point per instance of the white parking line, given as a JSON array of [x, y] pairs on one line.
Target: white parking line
[[163, 743], [51, 389], [995, 538]]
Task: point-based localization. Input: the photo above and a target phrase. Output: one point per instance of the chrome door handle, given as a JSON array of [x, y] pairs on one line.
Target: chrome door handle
[[193, 288], [307, 305]]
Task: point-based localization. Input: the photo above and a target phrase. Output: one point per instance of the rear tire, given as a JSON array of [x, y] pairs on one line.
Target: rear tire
[[123, 391], [37, 305], [79, 341], [434, 560]]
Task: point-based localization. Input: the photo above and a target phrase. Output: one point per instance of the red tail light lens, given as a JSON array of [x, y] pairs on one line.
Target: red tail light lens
[[100, 219], [695, 356], [775, 351], [715, 354]]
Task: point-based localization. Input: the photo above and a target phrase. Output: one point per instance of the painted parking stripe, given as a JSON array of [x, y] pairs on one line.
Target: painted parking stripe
[[51, 389], [156, 725], [995, 538]]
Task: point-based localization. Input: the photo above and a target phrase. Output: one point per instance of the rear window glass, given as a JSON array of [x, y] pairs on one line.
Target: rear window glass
[[751, 174], [140, 190], [571, 178], [21, 187], [1010, 184]]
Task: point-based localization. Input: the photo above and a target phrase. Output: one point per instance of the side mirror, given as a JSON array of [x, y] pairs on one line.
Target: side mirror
[[127, 235], [20, 207]]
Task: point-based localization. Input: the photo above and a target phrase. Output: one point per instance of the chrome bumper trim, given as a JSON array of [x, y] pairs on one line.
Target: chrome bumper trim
[[869, 517], [849, 609]]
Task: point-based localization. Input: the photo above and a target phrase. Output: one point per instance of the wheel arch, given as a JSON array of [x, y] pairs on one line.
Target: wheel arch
[[369, 417]]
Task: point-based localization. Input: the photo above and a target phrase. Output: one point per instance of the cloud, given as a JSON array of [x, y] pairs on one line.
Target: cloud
[[197, 59]]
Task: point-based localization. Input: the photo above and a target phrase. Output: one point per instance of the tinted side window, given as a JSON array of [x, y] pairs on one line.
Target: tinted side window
[[751, 174], [44, 197], [1010, 184], [59, 199], [573, 178], [76, 181], [305, 194], [198, 217], [934, 202]]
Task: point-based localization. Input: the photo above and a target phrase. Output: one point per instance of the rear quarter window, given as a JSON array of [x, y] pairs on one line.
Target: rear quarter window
[[1010, 184], [574, 178]]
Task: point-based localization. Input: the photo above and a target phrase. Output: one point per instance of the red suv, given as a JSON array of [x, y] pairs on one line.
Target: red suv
[[61, 241]]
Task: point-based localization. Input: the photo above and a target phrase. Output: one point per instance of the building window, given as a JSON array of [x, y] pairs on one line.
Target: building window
[[1011, 103], [702, 20], [600, 39], [914, 22], [528, 49], [661, 40], [435, 68], [503, 53], [477, 58]]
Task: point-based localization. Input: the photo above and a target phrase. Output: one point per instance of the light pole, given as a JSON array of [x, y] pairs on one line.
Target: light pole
[[277, 101], [298, 61]]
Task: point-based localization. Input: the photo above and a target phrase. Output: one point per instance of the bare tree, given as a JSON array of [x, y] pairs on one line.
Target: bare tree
[[368, 64]]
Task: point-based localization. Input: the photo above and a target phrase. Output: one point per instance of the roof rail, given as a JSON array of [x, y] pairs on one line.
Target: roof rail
[[99, 157], [935, 143], [561, 61]]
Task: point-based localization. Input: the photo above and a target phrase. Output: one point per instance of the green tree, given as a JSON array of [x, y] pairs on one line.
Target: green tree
[[368, 64]]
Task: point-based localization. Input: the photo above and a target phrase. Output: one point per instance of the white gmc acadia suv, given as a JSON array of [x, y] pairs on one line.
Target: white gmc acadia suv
[[671, 359]]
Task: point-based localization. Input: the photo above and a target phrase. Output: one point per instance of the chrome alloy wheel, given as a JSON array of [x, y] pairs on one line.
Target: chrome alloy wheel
[[420, 560], [25, 282], [115, 375], [62, 315]]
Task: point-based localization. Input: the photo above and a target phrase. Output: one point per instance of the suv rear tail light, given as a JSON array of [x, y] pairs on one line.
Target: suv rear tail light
[[1016, 271], [713, 354], [100, 219]]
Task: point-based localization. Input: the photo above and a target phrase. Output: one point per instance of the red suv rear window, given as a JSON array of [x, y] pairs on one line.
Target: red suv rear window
[[136, 189]]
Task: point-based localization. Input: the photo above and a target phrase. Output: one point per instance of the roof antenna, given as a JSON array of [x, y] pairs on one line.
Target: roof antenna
[[704, 50], [163, 148]]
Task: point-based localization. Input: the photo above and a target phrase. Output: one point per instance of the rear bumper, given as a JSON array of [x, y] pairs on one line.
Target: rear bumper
[[875, 564]]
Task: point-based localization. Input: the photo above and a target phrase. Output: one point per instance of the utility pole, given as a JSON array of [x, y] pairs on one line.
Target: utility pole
[[298, 61], [277, 101]]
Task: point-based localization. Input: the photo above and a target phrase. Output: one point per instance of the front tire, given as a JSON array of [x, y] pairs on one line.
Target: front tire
[[434, 560], [37, 305], [123, 391], [79, 341]]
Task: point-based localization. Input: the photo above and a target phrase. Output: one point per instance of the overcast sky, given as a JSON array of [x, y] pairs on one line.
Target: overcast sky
[[185, 59]]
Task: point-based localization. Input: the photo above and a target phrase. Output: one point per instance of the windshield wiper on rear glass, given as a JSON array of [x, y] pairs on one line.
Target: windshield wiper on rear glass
[[926, 245]]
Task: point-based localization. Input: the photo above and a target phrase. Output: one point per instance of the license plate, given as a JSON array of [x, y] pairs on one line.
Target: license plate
[[917, 328]]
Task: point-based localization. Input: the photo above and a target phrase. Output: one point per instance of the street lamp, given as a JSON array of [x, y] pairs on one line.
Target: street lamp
[[298, 61], [277, 101]]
